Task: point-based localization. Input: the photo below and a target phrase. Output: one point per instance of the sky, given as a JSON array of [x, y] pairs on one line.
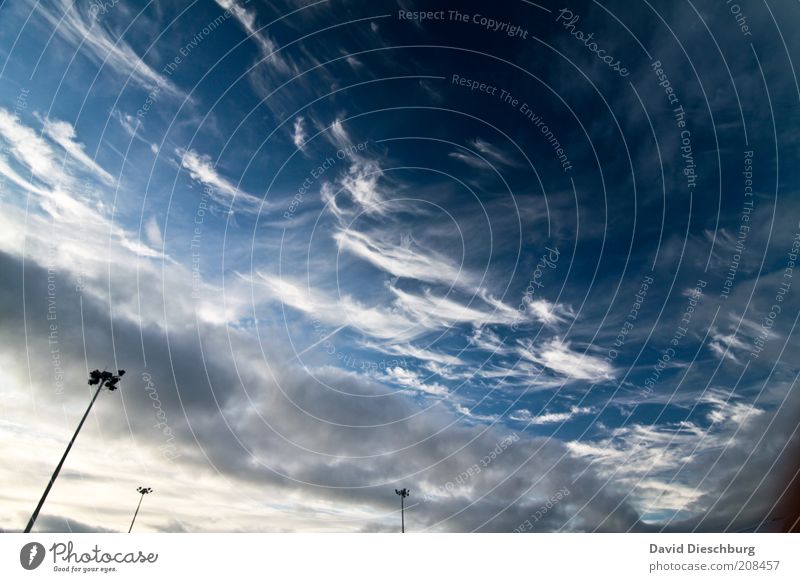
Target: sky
[[534, 262]]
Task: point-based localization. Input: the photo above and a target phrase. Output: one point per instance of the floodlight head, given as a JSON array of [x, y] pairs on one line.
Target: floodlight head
[[94, 377], [111, 380]]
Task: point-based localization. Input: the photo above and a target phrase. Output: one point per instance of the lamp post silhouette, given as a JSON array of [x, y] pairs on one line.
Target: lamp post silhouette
[[144, 491], [403, 493], [96, 378]]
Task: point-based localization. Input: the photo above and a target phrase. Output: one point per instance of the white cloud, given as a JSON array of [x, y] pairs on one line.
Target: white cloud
[[727, 409], [9, 173], [406, 259], [354, 63], [222, 190], [128, 122], [525, 415], [724, 345], [76, 25], [485, 339], [40, 155], [410, 317], [30, 149], [327, 194], [413, 380], [493, 152], [644, 459], [489, 155], [153, 232], [133, 127], [412, 351], [361, 182], [558, 356], [76, 209], [470, 160], [268, 48], [63, 134], [375, 322], [299, 132], [471, 415], [549, 313], [654, 460], [443, 311]]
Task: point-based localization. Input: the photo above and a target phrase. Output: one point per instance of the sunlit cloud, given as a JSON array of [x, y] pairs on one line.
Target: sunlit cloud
[[558, 356], [525, 415], [406, 259], [202, 170], [63, 134]]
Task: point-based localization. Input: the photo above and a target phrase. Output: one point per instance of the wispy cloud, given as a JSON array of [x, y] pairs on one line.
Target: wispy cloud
[[470, 413], [299, 132], [412, 351], [653, 460], [444, 311], [728, 408], [221, 189], [469, 159], [30, 149], [377, 322], [11, 174], [484, 338], [63, 134], [359, 185], [247, 20], [411, 379], [493, 152], [153, 232], [558, 356], [549, 313], [525, 415], [402, 260], [41, 154], [488, 155], [69, 205], [724, 345], [133, 127], [75, 24]]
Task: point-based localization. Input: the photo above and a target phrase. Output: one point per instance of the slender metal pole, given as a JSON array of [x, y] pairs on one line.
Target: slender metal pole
[[58, 468], [136, 512], [403, 493], [402, 515]]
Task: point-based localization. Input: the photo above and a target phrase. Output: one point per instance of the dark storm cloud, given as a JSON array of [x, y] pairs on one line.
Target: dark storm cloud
[[311, 455]]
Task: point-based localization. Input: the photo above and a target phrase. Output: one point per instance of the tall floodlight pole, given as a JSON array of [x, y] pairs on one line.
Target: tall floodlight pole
[[96, 378], [403, 493], [143, 491]]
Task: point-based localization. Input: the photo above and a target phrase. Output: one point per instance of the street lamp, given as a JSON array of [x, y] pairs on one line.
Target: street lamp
[[144, 491], [403, 493], [96, 378]]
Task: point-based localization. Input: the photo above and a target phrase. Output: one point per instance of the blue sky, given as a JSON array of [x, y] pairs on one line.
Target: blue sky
[[341, 248]]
